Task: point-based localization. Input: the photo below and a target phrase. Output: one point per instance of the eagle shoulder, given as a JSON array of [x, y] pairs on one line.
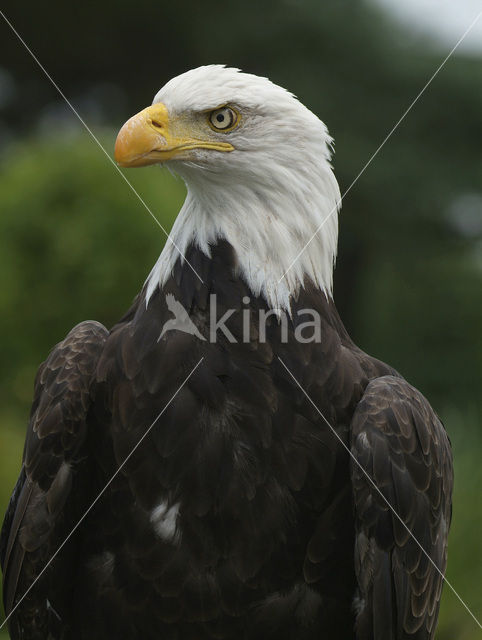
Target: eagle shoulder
[[402, 482], [53, 475]]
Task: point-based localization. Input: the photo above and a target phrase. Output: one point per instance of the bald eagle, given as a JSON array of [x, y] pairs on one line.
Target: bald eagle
[[247, 481]]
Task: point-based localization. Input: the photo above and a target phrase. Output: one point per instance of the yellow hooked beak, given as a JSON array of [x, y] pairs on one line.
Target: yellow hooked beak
[[149, 138]]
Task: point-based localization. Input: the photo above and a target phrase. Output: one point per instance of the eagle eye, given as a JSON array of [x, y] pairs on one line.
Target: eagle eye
[[223, 119]]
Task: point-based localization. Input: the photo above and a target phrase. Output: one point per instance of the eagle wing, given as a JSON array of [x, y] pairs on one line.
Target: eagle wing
[[53, 484], [401, 444]]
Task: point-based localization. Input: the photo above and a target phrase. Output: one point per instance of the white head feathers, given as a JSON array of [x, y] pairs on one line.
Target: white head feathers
[[274, 198]]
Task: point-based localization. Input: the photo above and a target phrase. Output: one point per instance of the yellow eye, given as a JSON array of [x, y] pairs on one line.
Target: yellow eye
[[223, 119]]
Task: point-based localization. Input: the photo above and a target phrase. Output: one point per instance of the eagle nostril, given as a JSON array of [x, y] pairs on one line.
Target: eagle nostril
[[157, 124]]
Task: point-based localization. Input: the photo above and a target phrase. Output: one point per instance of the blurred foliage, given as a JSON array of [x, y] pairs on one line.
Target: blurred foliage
[[76, 243], [464, 571]]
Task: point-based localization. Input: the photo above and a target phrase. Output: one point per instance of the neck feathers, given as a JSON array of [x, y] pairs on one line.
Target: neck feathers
[[284, 233]]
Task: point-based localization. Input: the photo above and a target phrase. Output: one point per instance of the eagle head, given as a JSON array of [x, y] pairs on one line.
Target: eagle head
[[220, 119], [256, 163]]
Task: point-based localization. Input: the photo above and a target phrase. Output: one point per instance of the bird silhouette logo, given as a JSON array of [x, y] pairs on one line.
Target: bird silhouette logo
[[181, 320]]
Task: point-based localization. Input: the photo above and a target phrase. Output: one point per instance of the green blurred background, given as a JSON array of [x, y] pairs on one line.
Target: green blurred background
[[77, 244]]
